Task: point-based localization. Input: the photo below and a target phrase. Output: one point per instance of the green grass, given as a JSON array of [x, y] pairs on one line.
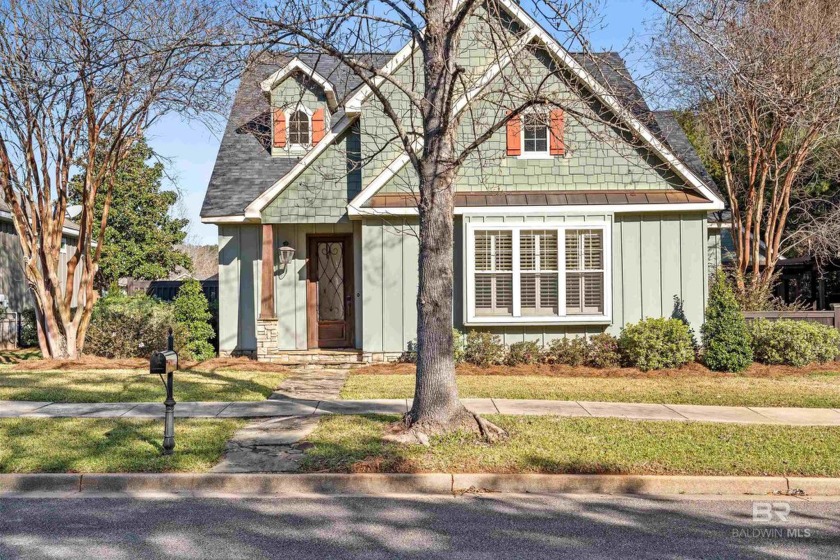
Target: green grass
[[134, 386], [581, 445], [86, 445], [818, 390]]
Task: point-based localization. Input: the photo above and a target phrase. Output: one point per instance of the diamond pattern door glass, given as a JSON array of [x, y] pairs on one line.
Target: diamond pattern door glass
[[330, 280]]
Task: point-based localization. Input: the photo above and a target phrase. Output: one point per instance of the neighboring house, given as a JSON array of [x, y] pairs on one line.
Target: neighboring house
[[13, 286], [552, 239]]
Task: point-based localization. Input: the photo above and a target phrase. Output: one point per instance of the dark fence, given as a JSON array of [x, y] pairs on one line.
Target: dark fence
[[830, 318], [8, 331]]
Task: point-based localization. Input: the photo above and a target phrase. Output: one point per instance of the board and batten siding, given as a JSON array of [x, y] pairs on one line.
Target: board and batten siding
[[655, 257], [239, 273]]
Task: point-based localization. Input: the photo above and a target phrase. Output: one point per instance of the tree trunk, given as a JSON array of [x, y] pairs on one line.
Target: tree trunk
[[436, 407]]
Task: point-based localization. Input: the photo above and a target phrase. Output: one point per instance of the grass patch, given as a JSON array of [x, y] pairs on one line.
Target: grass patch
[[133, 386], [581, 445], [84, 445], [816, 390]]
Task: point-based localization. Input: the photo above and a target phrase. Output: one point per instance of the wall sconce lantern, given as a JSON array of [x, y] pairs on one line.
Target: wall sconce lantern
[[286, 254]]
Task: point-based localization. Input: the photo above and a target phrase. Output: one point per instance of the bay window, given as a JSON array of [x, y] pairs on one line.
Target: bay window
[[526, 274]]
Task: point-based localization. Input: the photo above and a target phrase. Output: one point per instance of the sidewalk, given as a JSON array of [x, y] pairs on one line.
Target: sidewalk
[[280, 406]]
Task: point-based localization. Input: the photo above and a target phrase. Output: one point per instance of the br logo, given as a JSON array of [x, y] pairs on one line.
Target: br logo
[[766, 512]]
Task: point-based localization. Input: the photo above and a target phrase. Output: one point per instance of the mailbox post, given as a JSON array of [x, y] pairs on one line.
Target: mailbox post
[[166, 363]]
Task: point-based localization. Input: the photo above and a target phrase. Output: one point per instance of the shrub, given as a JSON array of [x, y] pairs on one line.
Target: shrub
[[726, 340], [567, 351], [28, 329], [192, 314], [525, 352], [604, 351], [483, 349], [793, 343], [656, 344], [459, 345], [128, 326]]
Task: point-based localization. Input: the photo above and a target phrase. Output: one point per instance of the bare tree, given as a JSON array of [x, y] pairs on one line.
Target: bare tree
[[763, 77], [80, 82], [440, 108]]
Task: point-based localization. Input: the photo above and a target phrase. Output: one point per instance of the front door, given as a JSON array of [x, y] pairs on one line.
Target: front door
[[329, 296]]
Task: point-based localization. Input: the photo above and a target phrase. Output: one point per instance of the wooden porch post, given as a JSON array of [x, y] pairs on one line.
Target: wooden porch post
[[267, 277]]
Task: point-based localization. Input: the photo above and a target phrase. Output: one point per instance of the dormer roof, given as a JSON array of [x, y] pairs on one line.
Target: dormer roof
[[297, 65]]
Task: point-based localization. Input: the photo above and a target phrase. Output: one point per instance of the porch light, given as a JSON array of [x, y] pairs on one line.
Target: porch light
[[286, 254]]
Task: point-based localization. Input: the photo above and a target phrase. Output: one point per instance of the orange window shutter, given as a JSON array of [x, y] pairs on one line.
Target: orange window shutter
[[514, 142], [318, 126], [279, 128], [557, 144]]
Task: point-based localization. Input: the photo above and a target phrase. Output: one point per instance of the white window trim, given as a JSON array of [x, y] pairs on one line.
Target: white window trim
[[288, 113], [535, 155], [518, 318]]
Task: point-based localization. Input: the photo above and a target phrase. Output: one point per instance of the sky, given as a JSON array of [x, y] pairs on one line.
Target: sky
[[189, 149]]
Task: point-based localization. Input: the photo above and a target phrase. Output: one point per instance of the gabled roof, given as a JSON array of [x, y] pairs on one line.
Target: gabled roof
[[297, 65], [70, 228], [604, 74], [244, 166]]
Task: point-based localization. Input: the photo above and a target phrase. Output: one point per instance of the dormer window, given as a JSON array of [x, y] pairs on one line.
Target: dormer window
[[299, 128]]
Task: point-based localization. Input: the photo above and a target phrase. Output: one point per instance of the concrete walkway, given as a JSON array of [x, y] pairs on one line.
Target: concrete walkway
[[287, 407]]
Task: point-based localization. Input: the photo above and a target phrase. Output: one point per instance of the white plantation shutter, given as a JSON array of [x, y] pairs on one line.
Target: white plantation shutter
[[538, 265], [549, 272], [494, 272], [584, 272]]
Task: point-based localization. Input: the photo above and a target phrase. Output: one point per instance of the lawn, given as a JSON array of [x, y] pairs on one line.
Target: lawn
[[815, 390], [103, 445], [581, 445], [135, 385]]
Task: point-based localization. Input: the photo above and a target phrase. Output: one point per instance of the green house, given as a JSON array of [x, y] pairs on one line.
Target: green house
[[573, 218]]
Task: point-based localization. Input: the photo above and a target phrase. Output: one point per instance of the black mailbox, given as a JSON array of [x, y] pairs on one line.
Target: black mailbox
[[163, 362]]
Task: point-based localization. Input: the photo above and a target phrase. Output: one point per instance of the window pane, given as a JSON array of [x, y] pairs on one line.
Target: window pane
[[539, 294], [572, 250], [592, 251], [535, 132], [494, 251], [538, 250], [494, 294], [299, 128], [593, 293]]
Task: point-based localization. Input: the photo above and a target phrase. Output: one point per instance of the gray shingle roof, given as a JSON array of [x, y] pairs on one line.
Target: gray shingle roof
[[244, 166], [72, 226]]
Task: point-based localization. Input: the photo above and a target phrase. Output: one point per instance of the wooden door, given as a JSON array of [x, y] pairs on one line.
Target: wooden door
[[329, 296]]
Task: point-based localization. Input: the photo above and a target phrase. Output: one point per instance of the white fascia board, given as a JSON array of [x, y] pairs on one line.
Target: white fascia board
[[68, 231], [353, 106], [228, 220], [359, 213], [296, 64], [254, 210]]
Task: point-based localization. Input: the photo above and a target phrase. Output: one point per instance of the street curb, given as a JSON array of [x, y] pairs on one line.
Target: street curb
[[426, 484]]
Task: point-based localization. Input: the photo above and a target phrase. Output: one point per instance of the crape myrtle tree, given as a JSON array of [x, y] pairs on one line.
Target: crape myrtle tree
[[80, 82], [762, 81], [466, 74]]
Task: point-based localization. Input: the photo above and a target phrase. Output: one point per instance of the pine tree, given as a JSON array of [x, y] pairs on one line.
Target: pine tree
[[726, 338]]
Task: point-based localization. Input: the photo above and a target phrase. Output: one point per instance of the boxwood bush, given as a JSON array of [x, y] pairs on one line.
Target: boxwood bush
[[656, 344], [484, 349], [526, 352], [793, 343], [726, 340]]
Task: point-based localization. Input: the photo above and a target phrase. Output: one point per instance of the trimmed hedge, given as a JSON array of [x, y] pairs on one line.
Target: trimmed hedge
[[657, 344], [527, 352], [128, 326], [793, 343]]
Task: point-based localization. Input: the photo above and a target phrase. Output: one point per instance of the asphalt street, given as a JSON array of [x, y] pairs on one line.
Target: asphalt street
[[470, 527]]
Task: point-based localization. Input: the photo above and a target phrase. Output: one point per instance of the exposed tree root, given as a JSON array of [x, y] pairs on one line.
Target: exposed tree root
[[417, 431]]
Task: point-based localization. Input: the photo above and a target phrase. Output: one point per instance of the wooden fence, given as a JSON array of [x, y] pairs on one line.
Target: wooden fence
[[8, 331], [830, 318]]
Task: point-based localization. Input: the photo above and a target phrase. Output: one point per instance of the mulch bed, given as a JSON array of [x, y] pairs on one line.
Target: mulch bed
[[97, 363], [690, 370]]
